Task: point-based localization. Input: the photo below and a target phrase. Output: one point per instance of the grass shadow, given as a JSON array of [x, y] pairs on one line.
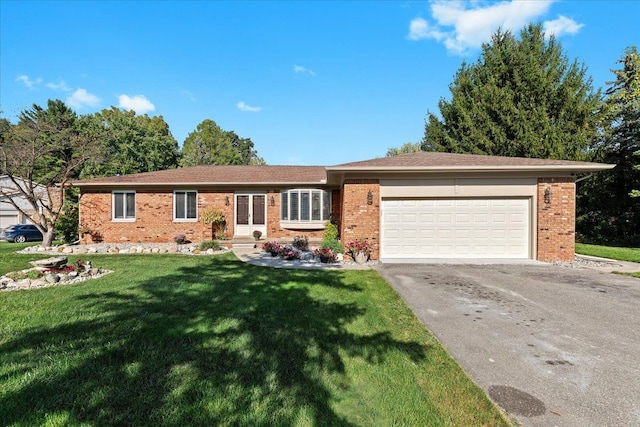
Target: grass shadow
[[214, 342]]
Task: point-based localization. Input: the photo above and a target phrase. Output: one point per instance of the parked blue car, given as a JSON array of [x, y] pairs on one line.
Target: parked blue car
[[21, 233]]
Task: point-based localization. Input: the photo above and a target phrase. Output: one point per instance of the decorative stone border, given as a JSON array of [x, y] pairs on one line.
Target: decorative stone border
[[124, 248], [50, 279]]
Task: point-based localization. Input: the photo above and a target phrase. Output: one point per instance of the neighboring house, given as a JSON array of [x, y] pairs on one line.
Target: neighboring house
[[412, 206], [9, 215]]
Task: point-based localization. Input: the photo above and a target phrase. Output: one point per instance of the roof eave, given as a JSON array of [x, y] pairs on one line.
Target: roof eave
[[192, 184], [439, 169]]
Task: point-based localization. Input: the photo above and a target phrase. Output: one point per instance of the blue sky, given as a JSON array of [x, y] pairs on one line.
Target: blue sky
[[309, 82]]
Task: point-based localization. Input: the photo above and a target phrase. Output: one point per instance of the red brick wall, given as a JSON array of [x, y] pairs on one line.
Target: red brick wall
[[556, 220], [360, 220], [154, 217]]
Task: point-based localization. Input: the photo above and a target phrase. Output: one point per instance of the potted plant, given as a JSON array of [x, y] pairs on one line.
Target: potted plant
[[180, 239], [326, 255], [257, 234], [360, 250]]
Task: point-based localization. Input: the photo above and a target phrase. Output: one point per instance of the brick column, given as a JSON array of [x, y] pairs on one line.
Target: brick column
[[359, 219], [556, 219]]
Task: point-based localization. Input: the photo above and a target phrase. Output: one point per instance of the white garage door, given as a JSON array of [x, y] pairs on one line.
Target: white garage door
[[455, 228], [8, 219]]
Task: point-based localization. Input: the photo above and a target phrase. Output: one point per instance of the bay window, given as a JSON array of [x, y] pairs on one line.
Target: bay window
[[304, 208]]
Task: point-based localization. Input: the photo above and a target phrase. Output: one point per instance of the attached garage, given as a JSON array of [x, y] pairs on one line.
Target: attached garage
[[430, 205], [455, 228]]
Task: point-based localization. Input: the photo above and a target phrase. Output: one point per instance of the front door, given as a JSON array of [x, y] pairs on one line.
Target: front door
[[251, 214]]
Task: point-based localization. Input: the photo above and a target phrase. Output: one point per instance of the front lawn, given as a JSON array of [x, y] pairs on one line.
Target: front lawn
[[184, 341], [621, 254]]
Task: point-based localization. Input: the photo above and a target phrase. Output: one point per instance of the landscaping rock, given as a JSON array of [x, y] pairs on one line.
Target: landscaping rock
[[155, 250], [73, 274], [114, 250], [49, 263], [52, 278], [38, 283], [92, 251]]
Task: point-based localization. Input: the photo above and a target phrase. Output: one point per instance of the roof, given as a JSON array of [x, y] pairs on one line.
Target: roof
[[449, 161], [219, 175], [421, 162]]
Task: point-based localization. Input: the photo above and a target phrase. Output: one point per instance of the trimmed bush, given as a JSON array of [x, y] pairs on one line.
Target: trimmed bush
[[209, 244]]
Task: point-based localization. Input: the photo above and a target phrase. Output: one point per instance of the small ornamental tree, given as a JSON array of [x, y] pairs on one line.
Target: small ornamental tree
[[216, 218]]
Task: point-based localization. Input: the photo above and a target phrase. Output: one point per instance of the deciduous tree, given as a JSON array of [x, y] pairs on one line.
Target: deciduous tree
[[40, 155], [133, 143], [209, 144], [404, 149]]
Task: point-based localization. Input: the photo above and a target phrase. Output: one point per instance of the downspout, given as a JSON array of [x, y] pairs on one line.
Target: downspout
[[584, 177]]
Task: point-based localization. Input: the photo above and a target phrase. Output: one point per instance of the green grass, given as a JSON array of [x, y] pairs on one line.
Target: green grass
[[621, 254], [170, 340], [11, 261]]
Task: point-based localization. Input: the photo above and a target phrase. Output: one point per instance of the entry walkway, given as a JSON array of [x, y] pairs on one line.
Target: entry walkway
[[258, 257]]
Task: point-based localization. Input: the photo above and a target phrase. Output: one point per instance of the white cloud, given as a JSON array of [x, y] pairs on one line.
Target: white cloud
[[419, 29], [300, 69], [244, 107], [27, 81], [466, 24], [81, 98], [562, 25], [59, 86], [138, 103], [188, 95]]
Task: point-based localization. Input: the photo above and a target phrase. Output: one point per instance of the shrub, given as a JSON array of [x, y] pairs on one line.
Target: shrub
[[301, 243], [209, 244], [216, 218], [330, 231], [180, 239], [330, 238], [334, 245], [272, 247]]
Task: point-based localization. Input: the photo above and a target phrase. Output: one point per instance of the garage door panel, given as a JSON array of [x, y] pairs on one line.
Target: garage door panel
[[447, 228]]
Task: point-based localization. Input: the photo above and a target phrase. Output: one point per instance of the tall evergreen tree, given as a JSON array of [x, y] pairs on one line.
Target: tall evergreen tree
[[607, 210], [522, 97]]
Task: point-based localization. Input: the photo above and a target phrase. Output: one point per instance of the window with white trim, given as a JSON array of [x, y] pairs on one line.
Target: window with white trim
[[185, 205], [304, 208], [124, 205]]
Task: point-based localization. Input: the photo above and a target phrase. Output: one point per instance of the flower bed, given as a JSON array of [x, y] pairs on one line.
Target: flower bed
[[40, 277]]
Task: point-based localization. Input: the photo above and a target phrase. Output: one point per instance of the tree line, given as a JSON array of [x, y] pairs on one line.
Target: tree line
[[523, 97], [50, 147]]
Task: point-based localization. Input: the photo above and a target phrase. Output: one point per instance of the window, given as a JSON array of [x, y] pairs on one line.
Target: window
[[124, 205], [185, 205], [304, 208]]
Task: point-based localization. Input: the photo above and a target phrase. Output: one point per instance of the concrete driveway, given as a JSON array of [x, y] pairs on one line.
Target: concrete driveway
[[553, 346]]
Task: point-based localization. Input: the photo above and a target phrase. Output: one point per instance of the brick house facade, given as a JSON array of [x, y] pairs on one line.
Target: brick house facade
[[419, 205]]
